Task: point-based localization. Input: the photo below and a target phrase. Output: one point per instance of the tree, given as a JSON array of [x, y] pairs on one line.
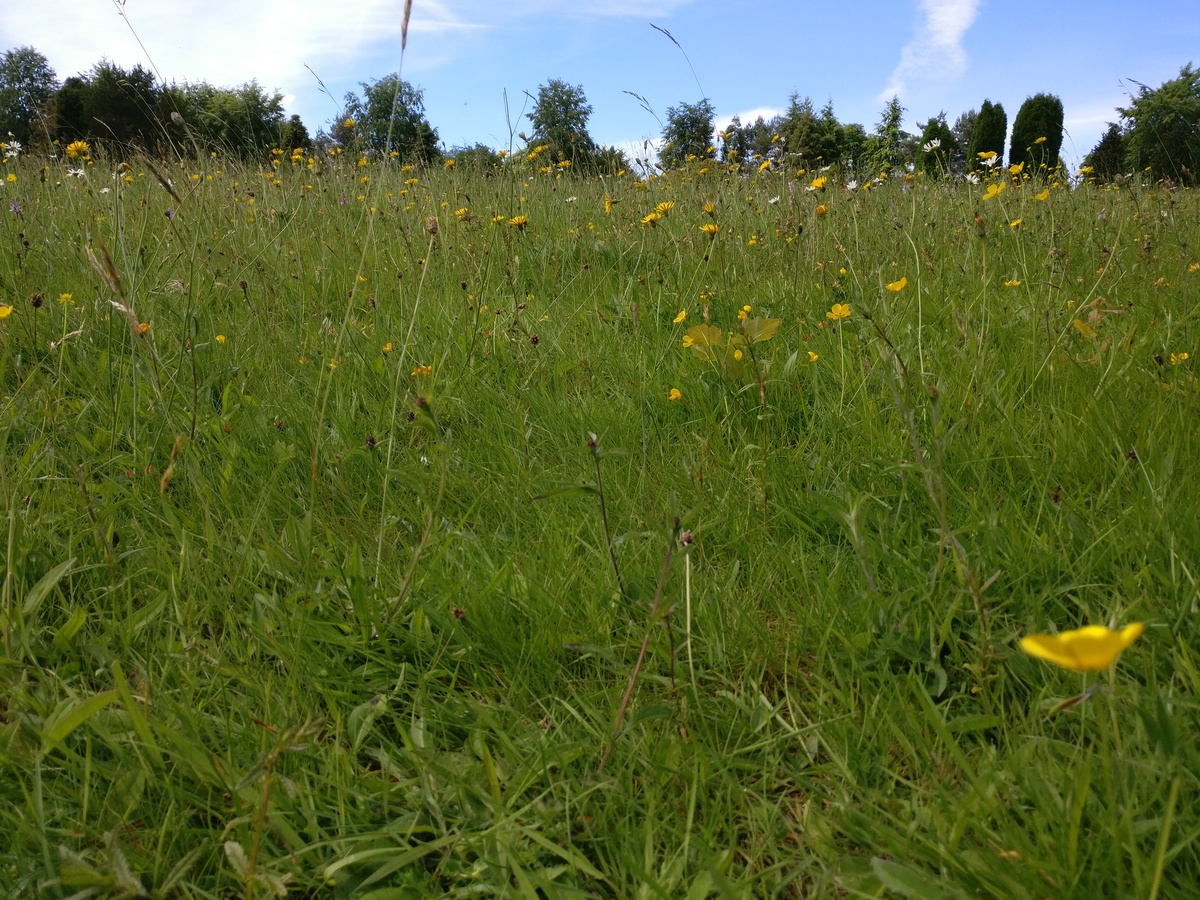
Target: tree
[[1107, 159], [389, 117], [559, 117], [109, 104], [294, 135], [27, 84], [888, 148], [938, 146], [1163, 128], [1037, 133], [689, 132], [244, 121], [813, 138], [735, 147], [963, 130], [991, 127]]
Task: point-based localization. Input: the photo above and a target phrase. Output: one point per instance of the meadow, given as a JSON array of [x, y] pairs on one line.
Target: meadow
[[385, 532]]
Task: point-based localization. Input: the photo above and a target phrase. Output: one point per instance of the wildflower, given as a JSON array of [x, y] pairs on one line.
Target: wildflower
[[665, 207], [519, 222], [1092, 648], [986, 155], [994, 190], [674, 395], [1177, 358], [773, 200], [991, 161], [744, 312], [818, 183], [652, 219], [897, 286], [812, 357], [609, 202], [65, 298], [462, 214], [349, 123], [5, 312], [932, 145], [1044, 195], [1086, 170], [764, 165], [1014, 223], [838, 312], [1040, 140], [688, 340], [1193, 268], [710, 228], [448, 164], [1017, 169], [387, 348], [709, 209], [75, 149], [422, 370], [1013, 282], [143, 328], [821, 209], [682, 315], [220, 339], [10, 177], [1084, 328], [334, 363]]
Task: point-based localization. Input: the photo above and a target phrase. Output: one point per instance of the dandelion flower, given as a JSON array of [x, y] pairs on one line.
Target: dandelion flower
[[75, 149], [665, 207], [821, 209], [1014, 223], [838, 312], [519, 222], [65, 298], [609, 202], [674, 395], [818, 184], [1092, 648], [897, 286], [682, 315], [652, 219], [448, 164], [710, 228]]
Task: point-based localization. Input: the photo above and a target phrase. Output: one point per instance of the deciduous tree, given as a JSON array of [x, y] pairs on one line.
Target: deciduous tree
[[689, 132], [27, 84]]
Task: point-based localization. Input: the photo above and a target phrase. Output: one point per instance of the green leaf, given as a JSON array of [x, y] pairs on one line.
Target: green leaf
[[702, 339], [910, 882], [758, 330], [973, 723], [71, 714], [45, 584]]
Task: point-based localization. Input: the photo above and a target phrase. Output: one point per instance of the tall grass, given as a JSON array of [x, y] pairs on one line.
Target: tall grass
[[307, 587]]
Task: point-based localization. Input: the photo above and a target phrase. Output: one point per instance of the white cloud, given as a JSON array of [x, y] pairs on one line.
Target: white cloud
[[936, 52], [748, 116]]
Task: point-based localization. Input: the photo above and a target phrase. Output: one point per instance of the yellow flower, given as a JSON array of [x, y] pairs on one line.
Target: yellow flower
[[838, 311], [1015, 282], [387, 348], [710, 228], [652, 219], [1017, 169], [821, 209], [10, 177], [812, 357], [897, 286], [994, 190], [674, 395], [77, 148], [1177, 358], [220, 339], [422, 370], [143, 328], [519, 222], [682, 315], [665, 207], [987, 154], [448, 164], [462, 214], [744, 312], [1092, 648], [688, 340], [65, 298], [1040, 140], [1014, 223], [608, 205], [737, 355], [349, 123], [333, 363], [1193, 268], [818, 184], [764, 165], [709, 209], [1086, 170], [5, 312], [1044, 195]]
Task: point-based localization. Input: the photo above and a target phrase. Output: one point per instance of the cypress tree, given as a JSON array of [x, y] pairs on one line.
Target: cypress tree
[[991, 127], [1037, 133]]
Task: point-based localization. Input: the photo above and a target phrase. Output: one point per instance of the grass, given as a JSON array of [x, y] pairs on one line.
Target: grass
[[327, 605]]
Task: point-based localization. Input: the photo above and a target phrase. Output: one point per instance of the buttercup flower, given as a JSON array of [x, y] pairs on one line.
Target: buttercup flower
[[838, 312], [674, 395], [682, 315], [812, 357], [1092, 648], [5, 312], [897, 286]]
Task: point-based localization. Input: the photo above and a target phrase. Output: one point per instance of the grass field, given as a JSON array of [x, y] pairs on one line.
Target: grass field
[[341, 503]]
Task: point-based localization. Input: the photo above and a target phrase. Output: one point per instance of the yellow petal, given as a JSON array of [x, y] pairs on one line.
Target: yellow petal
[[1092, 648], [1084, 328]]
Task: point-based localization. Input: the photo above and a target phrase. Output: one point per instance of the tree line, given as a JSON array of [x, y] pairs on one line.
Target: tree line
[[1158, 132]]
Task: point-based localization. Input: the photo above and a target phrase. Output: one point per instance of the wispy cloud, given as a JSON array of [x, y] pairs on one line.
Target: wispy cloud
[[936, 52]]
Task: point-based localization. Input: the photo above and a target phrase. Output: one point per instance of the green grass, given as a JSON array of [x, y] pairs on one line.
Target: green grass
[[367, 639]]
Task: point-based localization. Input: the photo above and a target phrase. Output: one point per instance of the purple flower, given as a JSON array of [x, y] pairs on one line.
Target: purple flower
[[169, 213], [14, 207], [343, 201]]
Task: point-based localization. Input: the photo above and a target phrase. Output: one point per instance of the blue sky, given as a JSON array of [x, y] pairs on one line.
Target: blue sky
[[465, 54]]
